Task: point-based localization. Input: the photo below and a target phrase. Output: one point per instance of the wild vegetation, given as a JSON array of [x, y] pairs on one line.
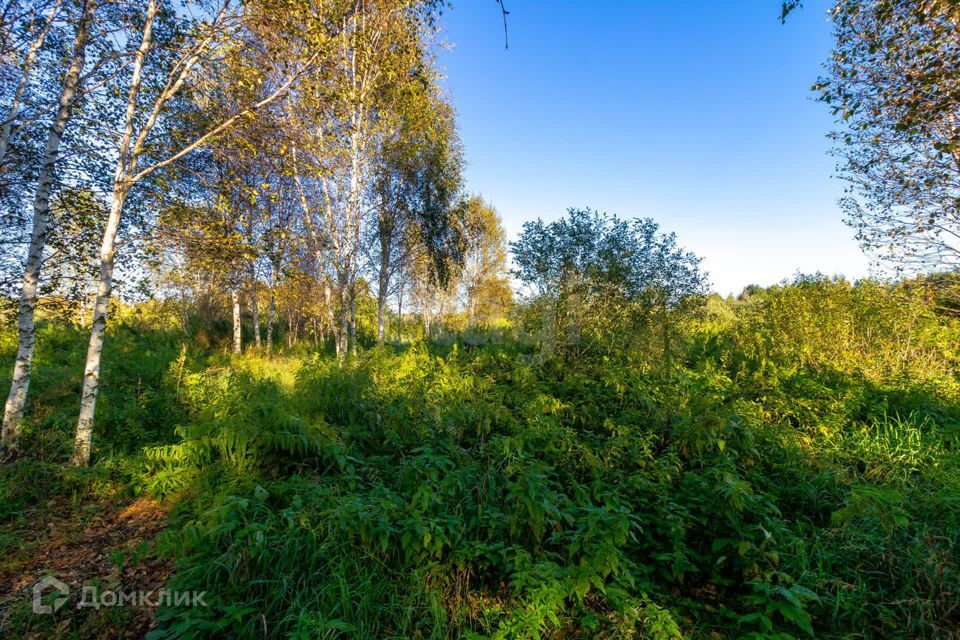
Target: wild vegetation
[[336, 401], [792, 472]]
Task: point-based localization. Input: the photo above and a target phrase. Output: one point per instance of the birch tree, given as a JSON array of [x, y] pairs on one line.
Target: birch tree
[[486, 289], [180, 67], [278, 242], [337, 125], [13, 409], [418, 173]]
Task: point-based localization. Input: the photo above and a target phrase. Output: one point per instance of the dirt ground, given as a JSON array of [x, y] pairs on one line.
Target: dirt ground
[[102, 543]]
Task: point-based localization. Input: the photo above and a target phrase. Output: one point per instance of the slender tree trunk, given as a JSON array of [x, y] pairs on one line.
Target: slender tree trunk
[[353, 323], [13, 410], [328, 303], [87, 301], [91, 372], [383, 278], [381, 318], [254, 301], [344, 321], [400, 315], [255, 307], [272, 314], [382, 301], [235, 304], [271, 318], [82, 312], [352, 222], [121, 188]]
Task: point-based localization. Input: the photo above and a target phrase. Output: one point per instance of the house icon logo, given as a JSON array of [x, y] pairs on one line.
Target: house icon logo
[[45, 585]]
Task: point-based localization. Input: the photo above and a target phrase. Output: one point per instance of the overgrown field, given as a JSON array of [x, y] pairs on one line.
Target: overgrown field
[[793, 471]]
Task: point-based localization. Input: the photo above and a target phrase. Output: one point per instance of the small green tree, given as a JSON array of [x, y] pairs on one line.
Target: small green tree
[[601, 282]]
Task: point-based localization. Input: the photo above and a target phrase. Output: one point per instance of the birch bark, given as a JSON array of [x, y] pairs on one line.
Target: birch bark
[[126, 163], [16, 400], [235, 305]]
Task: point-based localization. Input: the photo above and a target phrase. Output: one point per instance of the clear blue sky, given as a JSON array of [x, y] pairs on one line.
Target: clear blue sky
[[696, 114]]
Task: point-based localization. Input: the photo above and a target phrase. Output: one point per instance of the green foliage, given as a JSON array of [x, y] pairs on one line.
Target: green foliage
[[787, 478], [606, 288], [890, 83], [144, 360]]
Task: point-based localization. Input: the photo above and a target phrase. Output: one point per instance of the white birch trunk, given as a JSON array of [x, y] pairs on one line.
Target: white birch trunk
[[328, 303], [383, 285], [254, 301], [91, 372], [343, 327], [126, 176], [381, 317], [13, 410], [121, 188], [255, 307], [235, 304], [353, 323], [272, 316]]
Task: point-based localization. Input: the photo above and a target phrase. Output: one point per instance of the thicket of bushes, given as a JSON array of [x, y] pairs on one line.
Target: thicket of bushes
[[792, 470]]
